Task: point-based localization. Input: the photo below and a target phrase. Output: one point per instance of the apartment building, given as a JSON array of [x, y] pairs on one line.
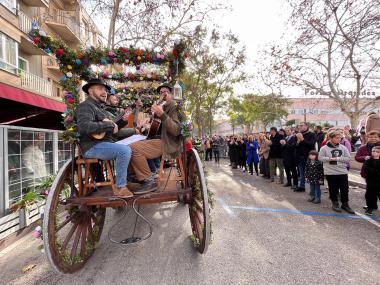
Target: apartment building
[[30, 94], [29, 78]]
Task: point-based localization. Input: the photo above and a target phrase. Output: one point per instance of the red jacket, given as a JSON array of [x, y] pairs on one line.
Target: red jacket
[[364, 150]]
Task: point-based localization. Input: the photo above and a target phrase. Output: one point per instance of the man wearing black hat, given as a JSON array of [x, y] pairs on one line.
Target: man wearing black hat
[[168, 145], [92, 118]]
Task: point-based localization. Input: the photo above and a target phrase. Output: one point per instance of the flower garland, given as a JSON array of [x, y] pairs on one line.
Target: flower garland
[[76, 66]]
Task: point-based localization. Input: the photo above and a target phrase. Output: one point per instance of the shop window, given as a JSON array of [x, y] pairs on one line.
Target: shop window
[[30, 158]]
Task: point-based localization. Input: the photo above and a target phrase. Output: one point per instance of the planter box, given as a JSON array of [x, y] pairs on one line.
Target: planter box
[[19, 220]]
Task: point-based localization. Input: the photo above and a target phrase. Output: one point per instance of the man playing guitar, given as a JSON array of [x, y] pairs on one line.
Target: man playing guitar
[[91, 118], [168, 145]]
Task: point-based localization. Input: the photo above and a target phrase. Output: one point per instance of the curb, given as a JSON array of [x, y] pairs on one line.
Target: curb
[[356, 184]]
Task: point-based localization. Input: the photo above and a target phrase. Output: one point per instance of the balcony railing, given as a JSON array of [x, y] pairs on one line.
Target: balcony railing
[[35, 83], [24, 22], [65, 18]]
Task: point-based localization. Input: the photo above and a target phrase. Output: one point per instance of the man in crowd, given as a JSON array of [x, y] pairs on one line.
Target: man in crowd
[[289, 158], [335, 158], [320, 135], [275, 155], [216, 146], [305, 143], [91, 118]]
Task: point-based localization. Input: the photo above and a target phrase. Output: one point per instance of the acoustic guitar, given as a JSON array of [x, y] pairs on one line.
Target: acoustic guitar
[[156, 123], [116, 119]]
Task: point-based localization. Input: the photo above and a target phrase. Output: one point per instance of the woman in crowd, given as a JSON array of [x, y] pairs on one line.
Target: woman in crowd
[[234, 152], [252, 156], [263, 156]]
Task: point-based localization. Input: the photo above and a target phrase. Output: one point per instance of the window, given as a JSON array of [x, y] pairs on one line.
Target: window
[[23, 64], [9, 4], [8, 54], [30, 158]]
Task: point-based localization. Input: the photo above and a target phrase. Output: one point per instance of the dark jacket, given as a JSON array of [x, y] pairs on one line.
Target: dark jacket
[[371, 168], [320, 137], [289, 151], [314, 172], [275, 150], [363, 151], [304, 147], [89, 116], [123, 132]]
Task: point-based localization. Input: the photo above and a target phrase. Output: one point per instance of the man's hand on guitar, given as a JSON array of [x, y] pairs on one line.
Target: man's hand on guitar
[[115, 128], [128, 111], [156, 109]]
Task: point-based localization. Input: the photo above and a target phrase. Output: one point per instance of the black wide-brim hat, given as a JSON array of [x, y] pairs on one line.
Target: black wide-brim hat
[[164, 85], [95, 81]]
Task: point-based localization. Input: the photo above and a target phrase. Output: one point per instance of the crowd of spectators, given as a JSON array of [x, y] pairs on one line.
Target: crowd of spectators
[[295, 157]]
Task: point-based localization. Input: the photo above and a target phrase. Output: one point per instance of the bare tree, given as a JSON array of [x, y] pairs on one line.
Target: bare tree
[[150, 22], [333, 51]]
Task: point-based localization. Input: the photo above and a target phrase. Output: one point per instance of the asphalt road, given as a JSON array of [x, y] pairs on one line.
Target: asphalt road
[[263, 234]]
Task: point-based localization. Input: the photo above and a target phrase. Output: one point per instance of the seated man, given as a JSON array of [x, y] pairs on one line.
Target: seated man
[[92, 118], [168, 145], [113, 112]]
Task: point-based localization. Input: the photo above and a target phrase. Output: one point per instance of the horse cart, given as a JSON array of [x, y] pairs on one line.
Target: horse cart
[[76, 205]]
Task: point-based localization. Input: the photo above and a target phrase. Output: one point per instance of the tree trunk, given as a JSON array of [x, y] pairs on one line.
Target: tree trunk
[[111, 30], [354, 119]]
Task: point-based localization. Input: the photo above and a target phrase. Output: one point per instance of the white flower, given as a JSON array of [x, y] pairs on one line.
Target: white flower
[[69, 74]]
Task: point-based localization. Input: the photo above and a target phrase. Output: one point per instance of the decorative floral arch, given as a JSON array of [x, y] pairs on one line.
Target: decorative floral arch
[[78, 65]]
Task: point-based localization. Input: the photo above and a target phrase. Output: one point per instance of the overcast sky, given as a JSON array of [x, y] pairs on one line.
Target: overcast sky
[[257, 24]]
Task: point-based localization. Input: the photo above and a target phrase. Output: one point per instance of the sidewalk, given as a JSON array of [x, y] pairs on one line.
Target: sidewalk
[[354, 179]]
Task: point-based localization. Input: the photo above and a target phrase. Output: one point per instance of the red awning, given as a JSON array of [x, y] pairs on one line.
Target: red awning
[[26, 97]]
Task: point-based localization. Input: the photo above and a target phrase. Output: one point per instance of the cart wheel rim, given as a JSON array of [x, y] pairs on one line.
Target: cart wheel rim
[[70, 233], [199, 209]]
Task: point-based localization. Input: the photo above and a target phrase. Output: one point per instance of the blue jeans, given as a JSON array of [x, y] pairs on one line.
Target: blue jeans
[[154, 164], [301, 170], [315, 190], [108, 151]]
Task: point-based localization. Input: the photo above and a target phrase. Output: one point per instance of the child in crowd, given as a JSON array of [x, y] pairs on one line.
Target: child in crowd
[[372, 176], [314, 176]]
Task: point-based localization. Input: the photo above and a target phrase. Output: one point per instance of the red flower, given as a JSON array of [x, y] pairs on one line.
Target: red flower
[[175, 53], [138, 52], [70, 100], [36, 40], [59, 52], [123, 50]]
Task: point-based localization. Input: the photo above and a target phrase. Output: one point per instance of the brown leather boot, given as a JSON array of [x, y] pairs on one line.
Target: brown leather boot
[[123, 192], [134, 186]]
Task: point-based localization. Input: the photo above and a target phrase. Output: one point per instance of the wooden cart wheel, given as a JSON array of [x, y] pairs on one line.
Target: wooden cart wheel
[[70, 232], [198, 205]]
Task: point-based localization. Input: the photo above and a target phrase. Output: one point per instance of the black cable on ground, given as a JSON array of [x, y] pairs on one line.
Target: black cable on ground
[[132, 240]]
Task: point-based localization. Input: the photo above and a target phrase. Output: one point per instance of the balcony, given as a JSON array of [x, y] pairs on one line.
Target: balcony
[[53, 66], [26, 44], [35, 83], [37, 3], [63, 23]]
